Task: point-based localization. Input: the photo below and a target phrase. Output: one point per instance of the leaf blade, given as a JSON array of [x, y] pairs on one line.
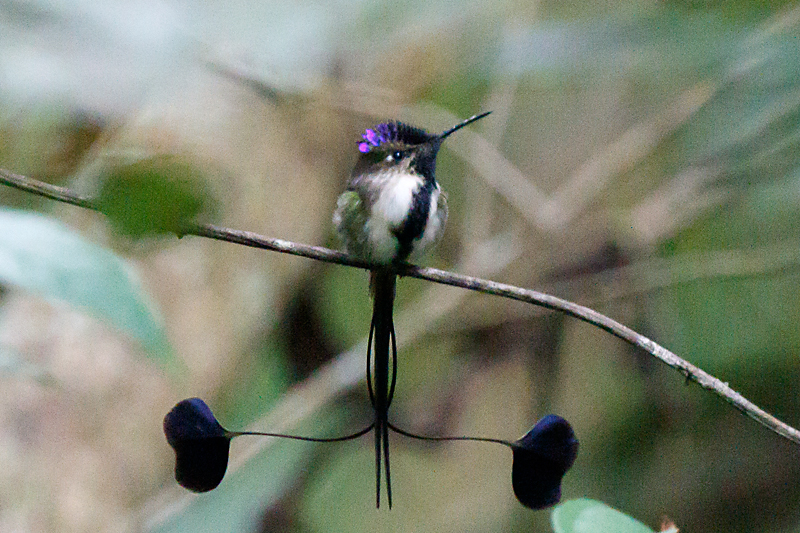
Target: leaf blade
[[42, 256]]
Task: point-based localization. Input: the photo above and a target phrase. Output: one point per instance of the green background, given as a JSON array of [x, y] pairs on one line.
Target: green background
[[642, 158]]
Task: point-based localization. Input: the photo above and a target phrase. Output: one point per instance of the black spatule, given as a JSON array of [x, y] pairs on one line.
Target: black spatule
[[201, 444], [540, 458]]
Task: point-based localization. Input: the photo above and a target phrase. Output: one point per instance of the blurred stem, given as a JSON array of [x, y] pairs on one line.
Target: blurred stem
[[580, 312]]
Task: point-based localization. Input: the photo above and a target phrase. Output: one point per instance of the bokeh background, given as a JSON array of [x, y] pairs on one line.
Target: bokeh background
[[643, 158]]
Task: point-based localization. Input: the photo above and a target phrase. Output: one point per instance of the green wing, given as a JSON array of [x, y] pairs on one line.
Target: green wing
[[350, 219]]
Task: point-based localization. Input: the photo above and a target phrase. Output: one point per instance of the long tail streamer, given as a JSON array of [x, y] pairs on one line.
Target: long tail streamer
[[380, 384]]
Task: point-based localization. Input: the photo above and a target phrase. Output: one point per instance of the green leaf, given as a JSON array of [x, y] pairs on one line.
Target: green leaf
[[154, 196], [41, 255], [590, 516]]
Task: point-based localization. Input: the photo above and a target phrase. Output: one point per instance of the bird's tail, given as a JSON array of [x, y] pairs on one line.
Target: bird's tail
[[381, 383]]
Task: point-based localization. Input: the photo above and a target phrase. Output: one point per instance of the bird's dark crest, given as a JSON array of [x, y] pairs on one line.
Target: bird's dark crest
[[393, 132]]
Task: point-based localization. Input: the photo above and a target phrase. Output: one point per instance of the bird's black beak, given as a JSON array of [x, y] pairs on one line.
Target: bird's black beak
[[457, 127]]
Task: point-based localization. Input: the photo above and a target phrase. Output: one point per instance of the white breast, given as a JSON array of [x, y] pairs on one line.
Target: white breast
[[394, 203], [389, 211]]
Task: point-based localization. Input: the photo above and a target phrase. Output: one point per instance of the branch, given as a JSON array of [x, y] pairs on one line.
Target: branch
[[691, 372], [41, 188]]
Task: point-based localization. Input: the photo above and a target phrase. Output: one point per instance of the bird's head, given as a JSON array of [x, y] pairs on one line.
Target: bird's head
[[395, 145]]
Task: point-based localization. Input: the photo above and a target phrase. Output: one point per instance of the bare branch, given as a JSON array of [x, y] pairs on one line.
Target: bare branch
[[580, 312], [41, 188]]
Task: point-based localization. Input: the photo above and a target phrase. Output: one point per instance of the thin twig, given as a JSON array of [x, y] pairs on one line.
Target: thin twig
[[41, 188], [580, 312]]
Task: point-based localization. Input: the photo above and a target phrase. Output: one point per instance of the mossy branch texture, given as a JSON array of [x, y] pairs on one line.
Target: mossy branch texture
[[691, 372]]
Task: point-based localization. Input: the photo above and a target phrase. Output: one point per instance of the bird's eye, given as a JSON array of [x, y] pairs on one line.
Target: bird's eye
[[397, 155]]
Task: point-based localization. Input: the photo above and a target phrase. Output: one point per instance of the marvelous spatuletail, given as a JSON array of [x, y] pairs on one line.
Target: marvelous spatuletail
[[392, 211]]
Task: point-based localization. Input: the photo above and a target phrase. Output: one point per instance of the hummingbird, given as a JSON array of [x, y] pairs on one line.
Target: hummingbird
[[392, 210]]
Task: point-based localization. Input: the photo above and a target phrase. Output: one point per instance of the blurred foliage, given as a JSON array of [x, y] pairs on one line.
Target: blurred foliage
[[587, 516], [43, 257], [641, 158], [159, 195]]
